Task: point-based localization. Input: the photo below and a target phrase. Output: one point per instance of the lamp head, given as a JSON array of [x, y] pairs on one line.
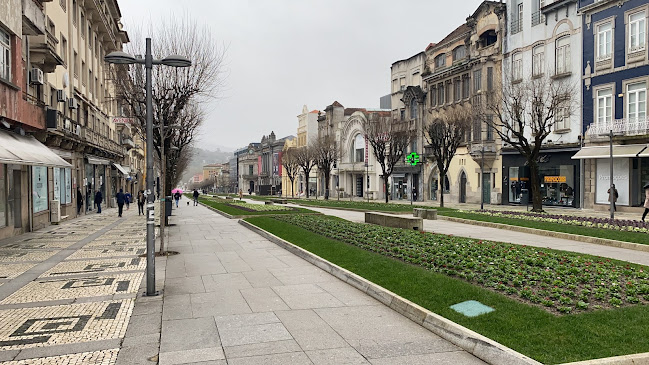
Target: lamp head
[[120, 58], [176, 61]]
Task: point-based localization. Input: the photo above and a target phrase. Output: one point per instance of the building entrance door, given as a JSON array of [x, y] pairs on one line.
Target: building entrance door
[[359, 185], [463, 188], [486, 188], [17, 209]]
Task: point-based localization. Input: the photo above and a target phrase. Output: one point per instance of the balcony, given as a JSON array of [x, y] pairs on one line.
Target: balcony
[[33, 18], [43, 52], [56, 122], [32, 111], [620, 127], [516, 25], [537, 18], [128, 143]]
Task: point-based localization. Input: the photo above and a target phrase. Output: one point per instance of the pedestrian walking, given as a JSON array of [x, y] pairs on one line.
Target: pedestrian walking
[[127, 200], [612, 196], [240, 194], [177, 197], [646, 201], [140, 202], [99, 197], [79, 200], [120, 202], [195, 197]]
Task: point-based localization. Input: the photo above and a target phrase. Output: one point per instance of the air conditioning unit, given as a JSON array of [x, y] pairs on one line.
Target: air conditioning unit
[[60, 96], [36, 76], [72, 103], [55, 211]]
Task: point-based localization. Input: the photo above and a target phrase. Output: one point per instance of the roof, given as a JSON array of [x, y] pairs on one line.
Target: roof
[[314, 111], [350, 111], [422, 53], [430, 45], [337, 104], [454, 34]]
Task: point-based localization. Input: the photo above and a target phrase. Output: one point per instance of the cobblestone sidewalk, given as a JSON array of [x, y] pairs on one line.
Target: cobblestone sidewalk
[[67, 292]]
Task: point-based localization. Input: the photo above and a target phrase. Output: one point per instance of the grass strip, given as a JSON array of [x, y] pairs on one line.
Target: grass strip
[[625, 236], [229, 209], [527, 329]]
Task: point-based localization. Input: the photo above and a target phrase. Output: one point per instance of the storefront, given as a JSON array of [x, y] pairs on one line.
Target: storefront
[[405, 183], [630, 173], [558, 178]]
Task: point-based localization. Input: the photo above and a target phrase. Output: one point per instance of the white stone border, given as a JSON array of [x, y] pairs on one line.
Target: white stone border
[[482, 347]]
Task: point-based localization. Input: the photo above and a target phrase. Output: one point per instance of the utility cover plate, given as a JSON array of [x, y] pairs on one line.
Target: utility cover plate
[[471, 308]]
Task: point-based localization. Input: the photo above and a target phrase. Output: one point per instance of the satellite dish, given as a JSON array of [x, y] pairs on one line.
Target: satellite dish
[[66, 80]]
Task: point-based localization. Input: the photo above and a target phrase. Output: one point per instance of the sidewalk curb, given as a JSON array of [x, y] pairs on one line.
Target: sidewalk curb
[[542, 232], [482, 347]]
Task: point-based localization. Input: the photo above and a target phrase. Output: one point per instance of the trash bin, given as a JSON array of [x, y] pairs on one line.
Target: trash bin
[[525, 196]]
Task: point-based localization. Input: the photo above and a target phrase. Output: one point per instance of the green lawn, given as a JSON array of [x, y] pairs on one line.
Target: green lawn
[[625, 236], [222, 206], [527, 329], [370, 206]]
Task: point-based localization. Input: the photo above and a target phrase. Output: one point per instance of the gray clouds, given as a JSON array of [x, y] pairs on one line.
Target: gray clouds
[[286, 53]]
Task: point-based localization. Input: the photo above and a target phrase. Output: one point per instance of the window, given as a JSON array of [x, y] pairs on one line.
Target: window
[[487, 39], [636, 101], [63, 4], [459, 53], [84, 74], [395, 85], [250, 170], [433, 96], [490, 78], [76, 65], [91, 86], [477, 81], [517, 66], [359, 148], [538, 59], [490, 131], [562, 117], [604, 36], [3, 197], [563, 55], [636, 32], [413, 108], [440, 60], [402, 81], [64, 49], [82, 25], [477, 129], [458, 90], [74, 12], [402, 114], [5, 55], [448, 91], [604, 106], [39, 188], [465, 86], [440, 94]]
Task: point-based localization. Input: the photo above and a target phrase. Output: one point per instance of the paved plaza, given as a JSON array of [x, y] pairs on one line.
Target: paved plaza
[[72, 294]]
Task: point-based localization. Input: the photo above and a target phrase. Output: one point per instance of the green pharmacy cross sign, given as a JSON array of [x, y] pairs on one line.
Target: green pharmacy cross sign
[[412, 159]]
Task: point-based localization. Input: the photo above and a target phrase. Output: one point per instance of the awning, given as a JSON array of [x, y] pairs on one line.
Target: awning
[[26, 150], [97, 161], [644, 153], [619, 151], [120, 168]]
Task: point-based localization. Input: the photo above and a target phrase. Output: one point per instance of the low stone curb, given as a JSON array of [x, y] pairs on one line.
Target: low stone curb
[[542, 232], [351, 209], [635, 359], [230, 216], [482, 347]]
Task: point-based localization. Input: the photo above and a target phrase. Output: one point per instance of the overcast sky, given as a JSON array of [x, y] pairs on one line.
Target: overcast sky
[[283, 54]]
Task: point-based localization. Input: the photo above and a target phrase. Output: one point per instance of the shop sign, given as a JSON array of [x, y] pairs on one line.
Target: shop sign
[[554, 179]]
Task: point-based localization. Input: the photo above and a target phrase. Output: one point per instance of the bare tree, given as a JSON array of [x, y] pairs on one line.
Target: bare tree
[[524, 113], [177, 93], [389, 139], [444, 135], [306, 160], [291, 166], [326, 156]]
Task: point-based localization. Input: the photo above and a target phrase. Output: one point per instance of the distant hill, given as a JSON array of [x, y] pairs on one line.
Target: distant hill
[[204, 157]]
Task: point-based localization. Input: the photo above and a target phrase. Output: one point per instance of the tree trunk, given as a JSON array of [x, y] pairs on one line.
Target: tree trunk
[[292, 189], [385, 187], [442, 178], [306, 180], [326, 174], [537, 202]]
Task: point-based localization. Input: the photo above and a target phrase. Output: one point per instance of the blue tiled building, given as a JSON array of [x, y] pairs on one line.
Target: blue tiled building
[[615, 79]]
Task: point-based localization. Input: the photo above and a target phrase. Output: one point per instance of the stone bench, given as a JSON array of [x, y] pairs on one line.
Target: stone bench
[[388, 220], [228, 198], [268, 203], [278, 201], [425, 213]]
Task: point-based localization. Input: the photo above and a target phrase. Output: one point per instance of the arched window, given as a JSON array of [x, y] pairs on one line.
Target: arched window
[[413, 108], [447, 185], [440, 60], [359, 148], [459, 53]]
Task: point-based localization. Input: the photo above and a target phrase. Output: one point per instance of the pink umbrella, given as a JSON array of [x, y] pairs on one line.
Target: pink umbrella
[[174, 191]]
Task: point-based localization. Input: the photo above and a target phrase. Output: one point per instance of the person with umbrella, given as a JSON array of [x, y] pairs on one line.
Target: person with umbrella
[[646, 201], [613, 195]]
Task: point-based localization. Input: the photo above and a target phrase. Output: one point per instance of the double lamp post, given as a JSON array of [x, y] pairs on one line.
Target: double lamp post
[[123, 58]]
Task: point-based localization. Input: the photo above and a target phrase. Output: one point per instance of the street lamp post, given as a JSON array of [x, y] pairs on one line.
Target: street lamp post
[[119, 57], [482, 178], [611, 195]]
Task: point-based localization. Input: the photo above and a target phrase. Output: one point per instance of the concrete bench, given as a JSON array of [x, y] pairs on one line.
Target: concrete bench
[[268, 203], [278, 201], [388, 220], [228, 197], [425, 213]]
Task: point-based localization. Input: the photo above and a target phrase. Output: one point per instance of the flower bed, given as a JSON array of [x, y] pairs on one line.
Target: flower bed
[[605, 223], [558, 281], [257, 207]]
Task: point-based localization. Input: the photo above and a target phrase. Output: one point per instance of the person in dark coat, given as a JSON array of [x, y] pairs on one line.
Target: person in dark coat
[[127, 200], [79, 200], [177, 197], [120, 202], [195, 195], [140, 202], [99, 197]]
